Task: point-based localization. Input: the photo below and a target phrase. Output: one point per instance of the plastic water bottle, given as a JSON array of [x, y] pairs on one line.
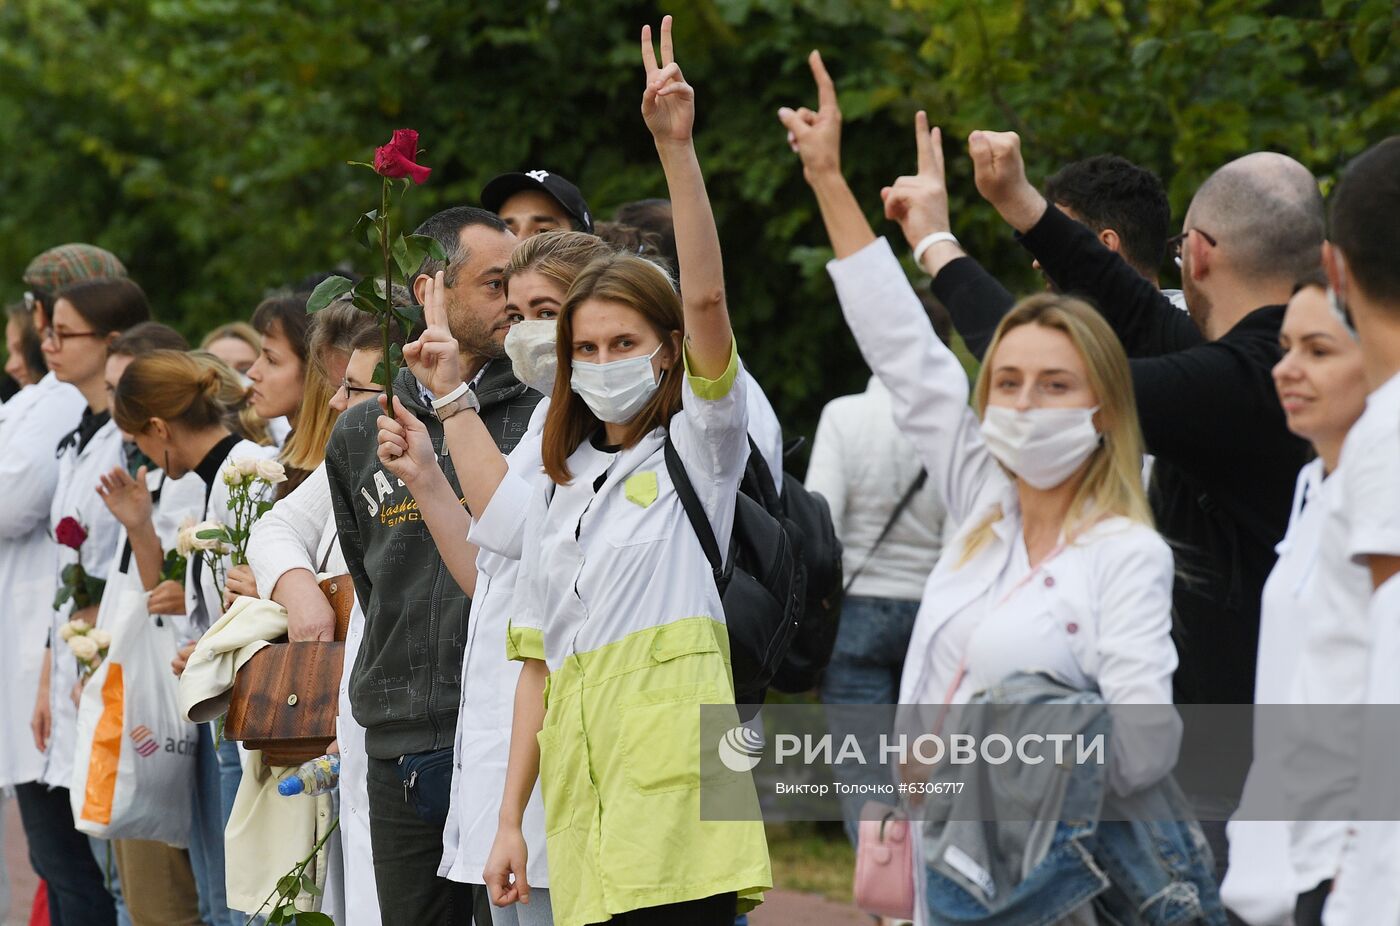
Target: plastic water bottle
[[315, 777]]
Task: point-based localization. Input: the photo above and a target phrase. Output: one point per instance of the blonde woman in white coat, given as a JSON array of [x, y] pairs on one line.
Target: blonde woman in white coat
[[1056, 567]]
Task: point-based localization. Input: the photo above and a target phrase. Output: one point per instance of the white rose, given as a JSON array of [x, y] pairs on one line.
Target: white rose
[[248, 466], [102, 638], [184, 540], [84, 647], [231, 475], [207, 544], [272, 471], [66, 632]]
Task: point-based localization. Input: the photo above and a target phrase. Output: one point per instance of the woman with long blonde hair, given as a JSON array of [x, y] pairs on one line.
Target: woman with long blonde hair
[[1056, 571]]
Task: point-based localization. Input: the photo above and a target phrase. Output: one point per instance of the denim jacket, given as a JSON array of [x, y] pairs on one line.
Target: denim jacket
[[1026, 844]]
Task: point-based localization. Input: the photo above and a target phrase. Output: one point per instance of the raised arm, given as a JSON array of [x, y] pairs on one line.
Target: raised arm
[[927, 385], [406, 450], [668, 108], [436, 360], [1145, 320]]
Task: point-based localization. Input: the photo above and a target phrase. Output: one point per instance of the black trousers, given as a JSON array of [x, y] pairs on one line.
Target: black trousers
[[63, 857], [1308, 911], [708, 911], [406, 855]]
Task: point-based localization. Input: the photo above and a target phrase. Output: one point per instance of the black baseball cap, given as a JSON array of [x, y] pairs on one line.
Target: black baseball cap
[[502, 188]]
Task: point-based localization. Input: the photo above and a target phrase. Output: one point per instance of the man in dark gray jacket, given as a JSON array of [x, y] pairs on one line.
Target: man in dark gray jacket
[[406, 682]]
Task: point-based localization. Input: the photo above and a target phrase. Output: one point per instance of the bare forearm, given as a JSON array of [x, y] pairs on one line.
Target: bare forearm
[[846, 225], [145, 549], [523, 766], [701, 262], [449, 523], [476, 458]]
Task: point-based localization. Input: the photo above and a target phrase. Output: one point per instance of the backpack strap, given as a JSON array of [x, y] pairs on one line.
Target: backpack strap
[[695, 512], [904, 501], [760, 481]]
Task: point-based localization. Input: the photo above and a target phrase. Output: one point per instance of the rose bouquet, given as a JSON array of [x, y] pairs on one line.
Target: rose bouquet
[[74, 582], [87, 643], [399, 255], [249, 482]]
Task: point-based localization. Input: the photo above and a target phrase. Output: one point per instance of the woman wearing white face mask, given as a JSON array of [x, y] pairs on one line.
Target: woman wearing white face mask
[[1056, 568], [616, 758]]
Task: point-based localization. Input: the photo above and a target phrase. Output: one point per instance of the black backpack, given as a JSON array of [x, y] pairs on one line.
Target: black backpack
[[776, 636]]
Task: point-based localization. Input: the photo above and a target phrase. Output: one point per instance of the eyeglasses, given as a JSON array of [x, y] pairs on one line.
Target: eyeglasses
[[368, 390], [1175, 242], [58, 337]]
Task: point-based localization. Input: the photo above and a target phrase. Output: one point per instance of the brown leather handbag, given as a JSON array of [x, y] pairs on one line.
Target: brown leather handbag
[[285, 699]]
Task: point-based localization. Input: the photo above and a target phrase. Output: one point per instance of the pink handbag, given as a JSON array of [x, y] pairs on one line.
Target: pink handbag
[[884, 884]]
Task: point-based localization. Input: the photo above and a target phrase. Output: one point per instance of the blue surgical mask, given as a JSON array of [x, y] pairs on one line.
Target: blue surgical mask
[[616, 391]]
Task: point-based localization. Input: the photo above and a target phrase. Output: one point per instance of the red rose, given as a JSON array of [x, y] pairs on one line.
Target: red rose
[[396, 158], [70, 533]]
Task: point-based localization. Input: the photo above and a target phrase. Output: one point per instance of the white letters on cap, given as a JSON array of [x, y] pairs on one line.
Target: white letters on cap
[[538, 176]]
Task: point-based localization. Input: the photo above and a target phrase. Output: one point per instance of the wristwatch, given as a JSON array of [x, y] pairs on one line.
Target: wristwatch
[[456, 400]]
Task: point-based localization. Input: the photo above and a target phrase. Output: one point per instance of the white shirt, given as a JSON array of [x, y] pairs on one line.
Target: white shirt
[[299, 533], [79, 474], [194, 624], [1106, 597], [1359, 518], [482, 748], [31, 425], [1260, 882], [862, 465], [764, 427]]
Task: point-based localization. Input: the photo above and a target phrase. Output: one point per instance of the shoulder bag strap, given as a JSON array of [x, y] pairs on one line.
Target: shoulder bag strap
[[904, 501]]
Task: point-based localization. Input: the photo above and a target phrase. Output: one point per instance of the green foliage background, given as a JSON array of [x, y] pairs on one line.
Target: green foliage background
[[204, 141]]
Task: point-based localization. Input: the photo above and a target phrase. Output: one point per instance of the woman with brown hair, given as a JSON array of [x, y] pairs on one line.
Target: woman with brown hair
[[641, 374], [85, 319], [278, 375]]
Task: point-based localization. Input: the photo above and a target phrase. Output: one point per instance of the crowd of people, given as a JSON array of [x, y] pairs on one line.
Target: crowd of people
[[1147, 497]]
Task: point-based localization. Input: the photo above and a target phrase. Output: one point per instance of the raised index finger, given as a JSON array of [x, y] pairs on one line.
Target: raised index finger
[[648, 53], [434, 312], [826, 90]]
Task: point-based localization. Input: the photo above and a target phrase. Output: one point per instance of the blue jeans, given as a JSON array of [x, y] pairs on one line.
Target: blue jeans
[[865, 667], [63, 857], [107, 862], [217, 773]]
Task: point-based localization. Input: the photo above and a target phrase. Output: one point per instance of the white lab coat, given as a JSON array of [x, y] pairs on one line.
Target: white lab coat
[[79, 474], [486, 710], [196, 623], [1107, 596], [1260, 883], [299, 533], [31, 425]]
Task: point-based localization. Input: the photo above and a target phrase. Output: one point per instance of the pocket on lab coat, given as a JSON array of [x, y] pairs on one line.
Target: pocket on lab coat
[[661, 737]]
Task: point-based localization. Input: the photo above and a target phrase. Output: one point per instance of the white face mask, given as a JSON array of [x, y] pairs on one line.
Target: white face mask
[[530, 345], [616, 391], [1043, 446]]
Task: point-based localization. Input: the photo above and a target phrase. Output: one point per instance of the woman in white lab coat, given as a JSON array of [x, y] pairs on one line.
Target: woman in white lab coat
[[175, 405], [1322, 388], [289, 546], [621, 789], [86, 317], [1056, 567], [157, 879]]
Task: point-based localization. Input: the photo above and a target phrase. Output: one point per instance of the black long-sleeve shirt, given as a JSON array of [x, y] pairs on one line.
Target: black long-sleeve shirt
[[1226, 464]]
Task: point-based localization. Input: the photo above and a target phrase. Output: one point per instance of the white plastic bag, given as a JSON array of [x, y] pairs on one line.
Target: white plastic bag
[[134, 767]]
